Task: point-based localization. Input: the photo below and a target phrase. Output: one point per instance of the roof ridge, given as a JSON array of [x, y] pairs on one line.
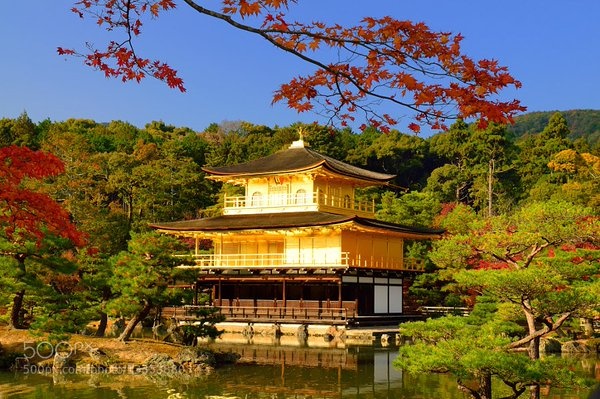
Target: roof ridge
[[294, 160]]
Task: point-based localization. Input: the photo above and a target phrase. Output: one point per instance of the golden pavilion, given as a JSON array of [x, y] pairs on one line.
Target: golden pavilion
[[300, 247]]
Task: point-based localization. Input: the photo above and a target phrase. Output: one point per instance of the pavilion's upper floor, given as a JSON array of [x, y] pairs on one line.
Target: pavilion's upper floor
[[295, 180]]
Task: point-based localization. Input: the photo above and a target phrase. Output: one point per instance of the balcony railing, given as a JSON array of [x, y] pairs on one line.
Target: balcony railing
[[283, 261], [296, 202], [272, 310]]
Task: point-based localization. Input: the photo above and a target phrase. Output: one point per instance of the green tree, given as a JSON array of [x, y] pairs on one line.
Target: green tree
[[411, 209], [404, 155], [141, 277], [471, 349], [581, 173], [40, 284], [6, 135], [476, 167], [111, 193], [95, 271], [536, 152], [20, 131], [24, 132], [359, 154], [193, 146], [56, 293], [204, 326], [332, 142], [166, 189], [224, 149], [490, 153], [539, 266], [451, 181]]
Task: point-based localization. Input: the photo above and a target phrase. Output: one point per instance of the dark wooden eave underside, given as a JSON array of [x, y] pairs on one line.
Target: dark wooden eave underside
[[276, 221], [297, 275]]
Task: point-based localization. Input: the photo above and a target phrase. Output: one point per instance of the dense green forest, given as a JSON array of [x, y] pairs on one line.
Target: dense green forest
[[584, 123], [521, 214]]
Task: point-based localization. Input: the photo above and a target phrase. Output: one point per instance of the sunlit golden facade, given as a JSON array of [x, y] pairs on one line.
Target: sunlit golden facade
[[299, 237]]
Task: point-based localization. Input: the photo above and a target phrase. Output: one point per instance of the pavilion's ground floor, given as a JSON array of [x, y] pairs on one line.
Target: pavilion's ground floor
[[352, 297]]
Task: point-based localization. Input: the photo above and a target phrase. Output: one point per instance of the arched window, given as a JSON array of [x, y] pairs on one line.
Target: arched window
[[257, 198], [300, 197]]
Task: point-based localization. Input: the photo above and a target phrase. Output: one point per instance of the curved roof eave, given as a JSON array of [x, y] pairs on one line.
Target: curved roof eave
[[295, 160], [290, 220], [214, 172]]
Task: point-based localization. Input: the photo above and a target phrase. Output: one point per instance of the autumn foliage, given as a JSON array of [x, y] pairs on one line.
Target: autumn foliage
[[27, 214], [357, 68]]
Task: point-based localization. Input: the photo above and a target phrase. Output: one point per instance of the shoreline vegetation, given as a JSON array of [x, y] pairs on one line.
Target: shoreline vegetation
[[84, 354], [23, 351]]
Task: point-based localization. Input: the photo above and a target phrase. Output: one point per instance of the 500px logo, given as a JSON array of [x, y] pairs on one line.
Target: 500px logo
[[46, 350]]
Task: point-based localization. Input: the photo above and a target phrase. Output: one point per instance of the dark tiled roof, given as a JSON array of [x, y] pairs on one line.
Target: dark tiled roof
[[255, 221], [398, 227], [283, 220], [295, 160]]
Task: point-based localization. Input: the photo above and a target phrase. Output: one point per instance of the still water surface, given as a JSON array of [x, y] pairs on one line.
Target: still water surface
[[265, 372]]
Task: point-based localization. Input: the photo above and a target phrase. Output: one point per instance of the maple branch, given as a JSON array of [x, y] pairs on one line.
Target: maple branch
[[381, 59], [265, 34]]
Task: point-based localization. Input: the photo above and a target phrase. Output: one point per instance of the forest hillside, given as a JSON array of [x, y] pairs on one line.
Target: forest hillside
[[582, 123], [94, 189]]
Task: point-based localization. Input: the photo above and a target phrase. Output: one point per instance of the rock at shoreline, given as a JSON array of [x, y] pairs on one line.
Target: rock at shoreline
[[196, 355], [191, 360], [202, 361], [160, 364], [197, 361], [576, 347], [550, 345], [63, 362]]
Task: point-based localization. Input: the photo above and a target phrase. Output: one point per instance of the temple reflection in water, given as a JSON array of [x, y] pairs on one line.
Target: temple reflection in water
[[311, 372]]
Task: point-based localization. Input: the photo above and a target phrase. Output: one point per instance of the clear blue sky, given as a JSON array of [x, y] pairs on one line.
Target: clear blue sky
[[551, 46]]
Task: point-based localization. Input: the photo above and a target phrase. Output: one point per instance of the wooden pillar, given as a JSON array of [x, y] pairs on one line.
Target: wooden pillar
[[340, 292], [283, 299], [197, 246], [220, 297]]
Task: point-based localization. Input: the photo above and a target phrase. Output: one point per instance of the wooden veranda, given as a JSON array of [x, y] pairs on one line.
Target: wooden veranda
[[261, 311]]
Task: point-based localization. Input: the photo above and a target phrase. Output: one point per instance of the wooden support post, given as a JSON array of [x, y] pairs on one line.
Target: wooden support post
[[340, 293], [220, 297], [283, 299]]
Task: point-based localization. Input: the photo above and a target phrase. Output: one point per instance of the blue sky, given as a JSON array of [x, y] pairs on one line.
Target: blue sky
[[552, 47]]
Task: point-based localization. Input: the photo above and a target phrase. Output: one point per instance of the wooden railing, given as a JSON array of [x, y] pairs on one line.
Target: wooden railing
[[266, 261], [439, 311], [249, 310], [280, 260], [294, 202], [380, 262]]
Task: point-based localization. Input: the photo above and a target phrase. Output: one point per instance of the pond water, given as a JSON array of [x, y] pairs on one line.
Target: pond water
[[269, 372]]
